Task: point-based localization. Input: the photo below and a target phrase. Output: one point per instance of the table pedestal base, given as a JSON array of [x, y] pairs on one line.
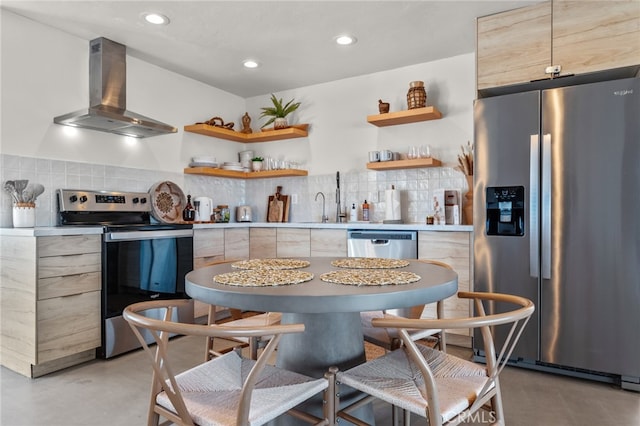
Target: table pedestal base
[[333, 339]]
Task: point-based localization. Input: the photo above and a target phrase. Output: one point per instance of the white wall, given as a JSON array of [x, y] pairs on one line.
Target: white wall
[[340, 136], [45, 73]]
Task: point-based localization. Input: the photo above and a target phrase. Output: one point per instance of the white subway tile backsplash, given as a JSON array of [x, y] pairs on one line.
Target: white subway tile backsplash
[[356, 186]]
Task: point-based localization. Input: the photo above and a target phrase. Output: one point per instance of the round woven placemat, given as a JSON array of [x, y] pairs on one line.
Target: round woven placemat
[[271, 264], [263, 277], [361, 277], [369, 263]]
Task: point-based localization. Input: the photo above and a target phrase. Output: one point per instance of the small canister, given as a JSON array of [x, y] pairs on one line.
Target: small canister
[[217, 215], [225, 214]]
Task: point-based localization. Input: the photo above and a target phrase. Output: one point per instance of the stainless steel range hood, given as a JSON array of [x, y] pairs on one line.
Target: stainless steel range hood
[[108, 97]]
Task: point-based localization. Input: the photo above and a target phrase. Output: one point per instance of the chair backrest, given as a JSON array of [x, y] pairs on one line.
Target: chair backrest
[[163, 376], [517, 318]]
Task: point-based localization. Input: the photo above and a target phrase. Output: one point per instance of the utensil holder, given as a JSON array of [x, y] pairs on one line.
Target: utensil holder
[[24, 215]]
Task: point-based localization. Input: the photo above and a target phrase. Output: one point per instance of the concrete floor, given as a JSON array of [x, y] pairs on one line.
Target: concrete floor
[[115, 392]]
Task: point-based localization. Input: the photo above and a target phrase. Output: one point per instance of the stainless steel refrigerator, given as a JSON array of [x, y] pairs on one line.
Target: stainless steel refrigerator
[[557, 220]]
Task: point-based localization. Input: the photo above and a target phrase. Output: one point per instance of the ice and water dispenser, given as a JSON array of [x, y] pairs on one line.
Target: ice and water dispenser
[[505, 210]]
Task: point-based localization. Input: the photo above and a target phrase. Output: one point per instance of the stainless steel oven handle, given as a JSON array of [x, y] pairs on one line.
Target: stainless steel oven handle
[[147, 235]]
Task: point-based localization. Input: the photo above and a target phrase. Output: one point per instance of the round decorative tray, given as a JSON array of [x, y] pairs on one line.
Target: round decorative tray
[[362, 277], [263, 277], [369, 263], [167, 202], [271, 264]]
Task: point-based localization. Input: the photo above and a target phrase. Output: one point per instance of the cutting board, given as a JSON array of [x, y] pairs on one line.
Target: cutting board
[[278, 207]]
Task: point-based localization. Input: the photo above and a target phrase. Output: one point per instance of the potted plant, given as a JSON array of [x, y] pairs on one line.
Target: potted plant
[[256, 164], [278, 112]]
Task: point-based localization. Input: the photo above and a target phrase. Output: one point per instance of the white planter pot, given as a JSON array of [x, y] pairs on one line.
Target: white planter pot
[[24, 215], [256, 166]]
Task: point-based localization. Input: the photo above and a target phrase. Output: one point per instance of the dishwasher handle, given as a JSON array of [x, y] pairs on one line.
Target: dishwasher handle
[[380, 242]]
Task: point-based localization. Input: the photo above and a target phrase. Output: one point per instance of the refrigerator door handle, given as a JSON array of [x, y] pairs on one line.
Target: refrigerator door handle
[[546, 207], [534, 190]]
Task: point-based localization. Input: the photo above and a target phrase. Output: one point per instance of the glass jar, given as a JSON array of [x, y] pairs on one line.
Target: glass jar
[[217, 216], [224, 213]]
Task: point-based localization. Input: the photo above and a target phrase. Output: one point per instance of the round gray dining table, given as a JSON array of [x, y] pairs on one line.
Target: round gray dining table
[[329, 311]]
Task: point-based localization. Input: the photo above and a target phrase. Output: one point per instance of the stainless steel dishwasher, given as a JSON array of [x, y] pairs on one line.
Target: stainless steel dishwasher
[[382, 243]]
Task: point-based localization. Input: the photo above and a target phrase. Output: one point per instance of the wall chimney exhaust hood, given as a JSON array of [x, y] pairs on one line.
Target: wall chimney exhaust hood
[[108, 97]]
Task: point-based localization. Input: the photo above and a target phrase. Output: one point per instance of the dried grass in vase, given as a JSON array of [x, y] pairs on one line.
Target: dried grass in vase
[[465, 160]]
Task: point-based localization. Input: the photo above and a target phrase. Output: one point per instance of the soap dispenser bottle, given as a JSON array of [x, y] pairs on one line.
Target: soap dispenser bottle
[[353, 213], [365, 211]]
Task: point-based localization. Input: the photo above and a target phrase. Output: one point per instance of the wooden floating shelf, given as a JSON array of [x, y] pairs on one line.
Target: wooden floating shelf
[[405, 117], [262, 136], [404, 164], [210, 171]]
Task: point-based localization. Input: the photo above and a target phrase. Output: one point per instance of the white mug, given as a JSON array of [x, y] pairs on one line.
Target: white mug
[[386, 155], [374, 156]]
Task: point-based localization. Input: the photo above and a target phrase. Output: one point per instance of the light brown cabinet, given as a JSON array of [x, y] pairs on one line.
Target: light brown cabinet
[[51, 290], [517, 46], [453, 248], [328, 243], [293, 242], [262, 243]]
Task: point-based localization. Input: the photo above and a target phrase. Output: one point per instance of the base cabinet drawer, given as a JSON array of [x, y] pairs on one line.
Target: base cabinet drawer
[[68, 325]]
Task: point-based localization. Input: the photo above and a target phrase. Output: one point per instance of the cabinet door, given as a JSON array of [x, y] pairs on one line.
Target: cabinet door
[[208, 245], [593, 36], [514, 46], [68, 325], [236, 243], [293, 242], [453, 248], [328, 243], [262, 243]]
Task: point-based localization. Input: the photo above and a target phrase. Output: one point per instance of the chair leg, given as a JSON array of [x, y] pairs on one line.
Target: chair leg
[[442, 341], [331, 402], [496, 404], [253, 347]]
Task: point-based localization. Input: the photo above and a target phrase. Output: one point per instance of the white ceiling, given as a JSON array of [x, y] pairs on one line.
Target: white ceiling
[[293, 40]]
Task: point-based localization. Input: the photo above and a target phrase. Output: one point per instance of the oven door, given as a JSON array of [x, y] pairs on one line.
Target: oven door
[[137, 266]]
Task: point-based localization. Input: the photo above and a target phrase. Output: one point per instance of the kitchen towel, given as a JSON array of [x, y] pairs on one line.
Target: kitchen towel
[[158, 263], [392, 205]]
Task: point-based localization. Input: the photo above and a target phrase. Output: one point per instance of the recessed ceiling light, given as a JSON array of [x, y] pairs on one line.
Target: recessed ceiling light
[[251, 63], [345, 40], [156, 18]]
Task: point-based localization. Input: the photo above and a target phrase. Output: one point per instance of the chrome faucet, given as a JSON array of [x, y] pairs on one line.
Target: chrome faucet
[[325, 218]]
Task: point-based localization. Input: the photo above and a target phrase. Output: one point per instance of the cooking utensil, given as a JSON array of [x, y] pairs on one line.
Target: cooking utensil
[[20, 185], [10, 187], [31, 192]]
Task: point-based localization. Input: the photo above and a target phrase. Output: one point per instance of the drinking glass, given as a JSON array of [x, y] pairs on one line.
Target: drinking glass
[[413, 152], [425, 151]]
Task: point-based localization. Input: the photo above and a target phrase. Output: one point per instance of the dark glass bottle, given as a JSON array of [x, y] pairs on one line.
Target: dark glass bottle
[[189, 213]]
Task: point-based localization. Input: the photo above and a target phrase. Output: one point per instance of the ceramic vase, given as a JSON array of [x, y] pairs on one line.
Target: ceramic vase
[[24, 215], [256, 166]]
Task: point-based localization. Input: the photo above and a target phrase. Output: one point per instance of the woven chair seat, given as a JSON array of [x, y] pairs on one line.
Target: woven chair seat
[[396, 379], [212, 391]]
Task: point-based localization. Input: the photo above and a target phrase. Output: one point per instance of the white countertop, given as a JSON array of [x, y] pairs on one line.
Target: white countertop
[[347, 225], [45, 231]]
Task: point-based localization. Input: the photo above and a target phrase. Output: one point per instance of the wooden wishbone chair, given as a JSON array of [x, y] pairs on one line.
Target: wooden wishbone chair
[[434, 384], [219, 391]]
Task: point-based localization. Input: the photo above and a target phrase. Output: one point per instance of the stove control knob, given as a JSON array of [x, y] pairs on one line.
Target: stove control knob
[[143, 200], [135, 200], [73, 198], [83, 199]]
